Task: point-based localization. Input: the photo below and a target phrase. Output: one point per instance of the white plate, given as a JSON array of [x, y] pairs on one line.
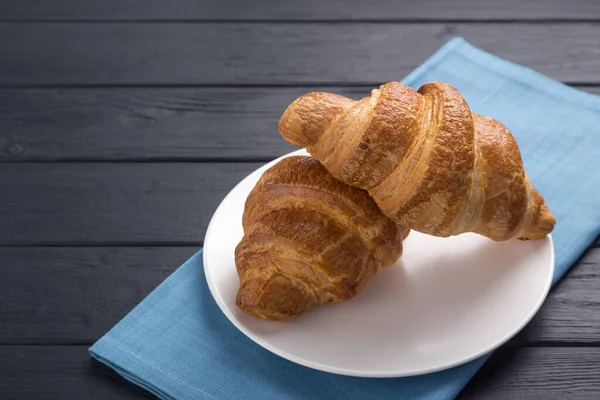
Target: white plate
[[445, 302]]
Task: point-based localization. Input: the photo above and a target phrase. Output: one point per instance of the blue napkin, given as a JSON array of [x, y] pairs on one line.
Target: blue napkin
[[178, 345]]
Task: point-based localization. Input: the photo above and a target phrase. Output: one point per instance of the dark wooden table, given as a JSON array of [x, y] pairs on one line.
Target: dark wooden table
[[123, 123]]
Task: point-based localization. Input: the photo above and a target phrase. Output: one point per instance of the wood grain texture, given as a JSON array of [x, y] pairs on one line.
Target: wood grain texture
[[529, 373], [146, 124], [274, 54], [105, 283], [571, 313], [60, 372], [143, 124], [537, 373], [112, 203], [305, 10], [75, 295]]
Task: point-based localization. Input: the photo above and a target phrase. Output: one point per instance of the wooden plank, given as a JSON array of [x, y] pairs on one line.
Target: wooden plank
[[537, 373], [571, 313], [274, 54], [305, 10], [112, 203], [105, 283], [67, 372], [60, 372], [145, 124], [85, 291]]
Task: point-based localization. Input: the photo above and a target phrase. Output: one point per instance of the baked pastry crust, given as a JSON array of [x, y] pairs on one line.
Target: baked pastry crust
[[309, 239], [430, 164]]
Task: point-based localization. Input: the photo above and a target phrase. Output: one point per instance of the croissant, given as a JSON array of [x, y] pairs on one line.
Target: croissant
[[429, 163], [309, 239]]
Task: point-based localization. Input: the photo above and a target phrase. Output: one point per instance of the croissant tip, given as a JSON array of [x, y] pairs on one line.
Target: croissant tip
[[290, 124], [270, 296], [261, 312], [544, 226], [306, 118]]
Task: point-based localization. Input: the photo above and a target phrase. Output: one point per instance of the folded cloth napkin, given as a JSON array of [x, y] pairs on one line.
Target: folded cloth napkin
[[178, 345]]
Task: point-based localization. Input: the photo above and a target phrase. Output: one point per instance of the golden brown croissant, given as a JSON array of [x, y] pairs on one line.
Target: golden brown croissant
[[429, 163], [309, 239]]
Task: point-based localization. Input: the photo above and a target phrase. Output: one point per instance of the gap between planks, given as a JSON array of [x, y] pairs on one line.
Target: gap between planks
[[316, 85], [407, 21]]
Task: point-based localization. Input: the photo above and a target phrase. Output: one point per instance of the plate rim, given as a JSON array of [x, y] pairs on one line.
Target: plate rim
[[350, 372]]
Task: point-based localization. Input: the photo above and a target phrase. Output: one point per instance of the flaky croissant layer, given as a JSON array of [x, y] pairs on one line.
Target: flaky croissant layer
[[430, 164], [309, 239]]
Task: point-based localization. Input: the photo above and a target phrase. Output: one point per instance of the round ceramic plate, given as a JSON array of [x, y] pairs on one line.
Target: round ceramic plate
[[445, 302]]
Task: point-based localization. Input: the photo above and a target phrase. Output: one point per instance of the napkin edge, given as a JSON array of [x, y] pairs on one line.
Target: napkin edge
[[511, 70]]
